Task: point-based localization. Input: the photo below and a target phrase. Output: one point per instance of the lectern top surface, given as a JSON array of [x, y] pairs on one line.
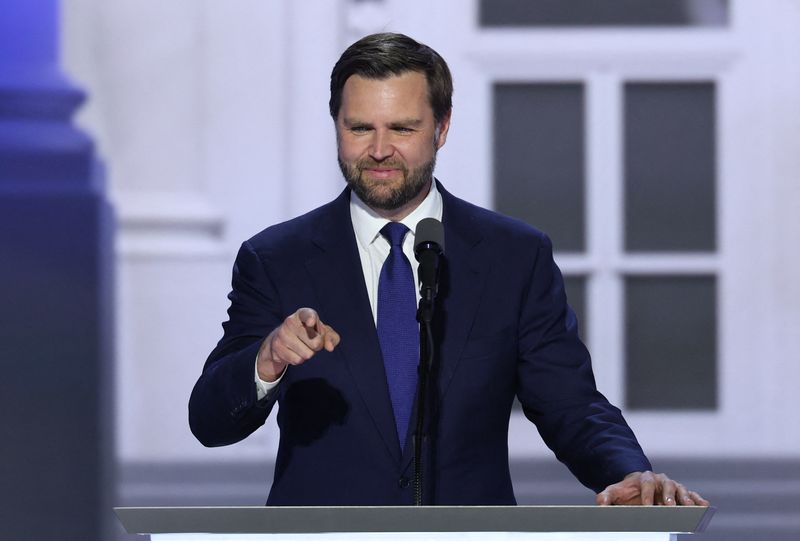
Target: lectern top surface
[[414, 519]]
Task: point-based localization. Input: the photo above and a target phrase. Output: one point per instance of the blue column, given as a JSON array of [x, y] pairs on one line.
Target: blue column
[[55, 295]]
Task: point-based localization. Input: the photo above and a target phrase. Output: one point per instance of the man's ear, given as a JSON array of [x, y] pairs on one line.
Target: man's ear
[[441, 130]]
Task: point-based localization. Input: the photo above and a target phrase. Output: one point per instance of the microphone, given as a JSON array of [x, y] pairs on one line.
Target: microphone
[[428, 247]]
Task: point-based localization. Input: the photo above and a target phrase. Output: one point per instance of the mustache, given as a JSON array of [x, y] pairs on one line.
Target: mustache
[[368, 163]]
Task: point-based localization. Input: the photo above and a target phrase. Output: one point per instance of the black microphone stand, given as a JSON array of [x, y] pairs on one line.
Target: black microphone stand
[[428, 249], [426, 353]]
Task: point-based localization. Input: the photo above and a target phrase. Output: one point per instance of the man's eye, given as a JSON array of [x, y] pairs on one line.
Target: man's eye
[[359, 129], [403, 129]]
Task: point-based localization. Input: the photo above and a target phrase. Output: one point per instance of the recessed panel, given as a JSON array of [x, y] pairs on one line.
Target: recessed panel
[[671, 337], [544, 13], [539, 158], [670, 167]]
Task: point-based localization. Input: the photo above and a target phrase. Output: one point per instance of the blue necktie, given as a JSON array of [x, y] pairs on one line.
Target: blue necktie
[[398, 330]]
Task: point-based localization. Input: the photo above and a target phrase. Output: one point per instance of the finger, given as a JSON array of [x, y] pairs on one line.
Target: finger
[[668, 491], [626, 492], [686, 498], [682, 495], [617, 494], [309, 318], [312, 338], [286, 340], [313, 332], [697, 499], [332, 338], [281, 354], [647, 486], [305, 326]]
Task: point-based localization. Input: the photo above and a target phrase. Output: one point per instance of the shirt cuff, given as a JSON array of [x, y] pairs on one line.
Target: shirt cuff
[[265, 388]]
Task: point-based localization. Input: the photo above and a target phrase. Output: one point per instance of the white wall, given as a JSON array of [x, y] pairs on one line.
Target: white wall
[[212, 119]]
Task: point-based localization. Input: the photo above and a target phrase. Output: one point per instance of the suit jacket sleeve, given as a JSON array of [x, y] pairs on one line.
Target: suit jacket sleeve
[[223, 407], [557, 387]]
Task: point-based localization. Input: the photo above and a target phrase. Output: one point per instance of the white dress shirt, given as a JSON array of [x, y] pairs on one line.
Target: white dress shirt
[[373, 249]]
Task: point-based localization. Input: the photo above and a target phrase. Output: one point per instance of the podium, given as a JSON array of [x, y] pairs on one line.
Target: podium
[[462, 523]]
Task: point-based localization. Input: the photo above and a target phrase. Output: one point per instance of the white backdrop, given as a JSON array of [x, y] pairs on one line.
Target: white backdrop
[[212, 119]]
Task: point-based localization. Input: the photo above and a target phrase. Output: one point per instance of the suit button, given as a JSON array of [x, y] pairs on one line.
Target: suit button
[[403, 482]]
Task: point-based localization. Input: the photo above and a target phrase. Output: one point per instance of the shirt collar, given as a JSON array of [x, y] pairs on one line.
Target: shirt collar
[[367, 224]]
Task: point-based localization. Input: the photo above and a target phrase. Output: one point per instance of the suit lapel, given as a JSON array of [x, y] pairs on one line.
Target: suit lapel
[[338, 280], [463, 282]]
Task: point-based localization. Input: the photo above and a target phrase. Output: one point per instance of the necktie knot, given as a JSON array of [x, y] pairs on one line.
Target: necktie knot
[[394, 232]]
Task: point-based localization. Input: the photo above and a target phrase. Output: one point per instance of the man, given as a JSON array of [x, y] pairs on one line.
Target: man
[[322, 322]]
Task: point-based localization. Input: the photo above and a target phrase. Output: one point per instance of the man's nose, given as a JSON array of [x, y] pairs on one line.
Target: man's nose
[[381, 147]]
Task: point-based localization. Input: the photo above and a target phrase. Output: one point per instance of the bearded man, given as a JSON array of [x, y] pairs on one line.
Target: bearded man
[[322, 323]]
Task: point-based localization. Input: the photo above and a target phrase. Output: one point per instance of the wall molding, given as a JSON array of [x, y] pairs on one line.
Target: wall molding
[[158, 225]]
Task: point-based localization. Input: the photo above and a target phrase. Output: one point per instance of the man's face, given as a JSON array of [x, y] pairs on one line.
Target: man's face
[[387, 139]]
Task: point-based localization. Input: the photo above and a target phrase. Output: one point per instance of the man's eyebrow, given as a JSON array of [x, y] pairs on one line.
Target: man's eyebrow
[[406, 122], [403, 122], [355, 122]]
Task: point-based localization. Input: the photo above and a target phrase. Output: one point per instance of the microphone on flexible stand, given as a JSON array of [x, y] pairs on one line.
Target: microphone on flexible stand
[[428, 249]]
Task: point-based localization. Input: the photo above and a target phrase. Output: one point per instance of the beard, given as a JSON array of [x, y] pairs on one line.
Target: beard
[[379, 195]]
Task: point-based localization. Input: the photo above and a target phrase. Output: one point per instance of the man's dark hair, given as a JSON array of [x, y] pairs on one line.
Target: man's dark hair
[[379, 56]]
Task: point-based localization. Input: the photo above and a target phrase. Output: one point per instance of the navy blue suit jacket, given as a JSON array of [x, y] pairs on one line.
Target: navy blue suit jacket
[[504, 329]]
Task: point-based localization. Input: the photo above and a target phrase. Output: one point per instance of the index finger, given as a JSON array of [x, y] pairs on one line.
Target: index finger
[[309, 318]]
